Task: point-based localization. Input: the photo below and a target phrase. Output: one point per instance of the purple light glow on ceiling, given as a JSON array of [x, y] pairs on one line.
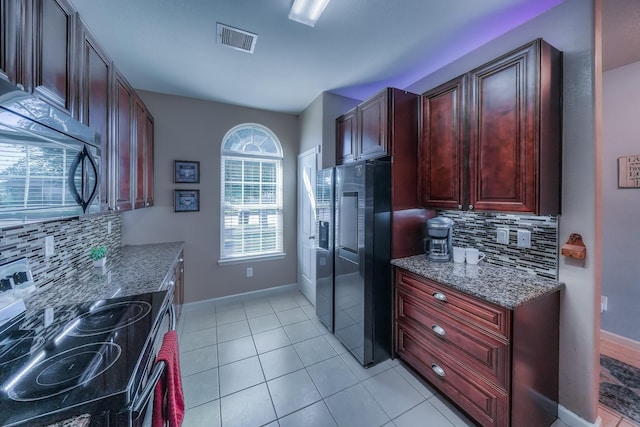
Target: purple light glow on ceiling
[[475, 35]]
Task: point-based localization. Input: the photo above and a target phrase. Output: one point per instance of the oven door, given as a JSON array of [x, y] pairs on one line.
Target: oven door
[[142, 409]]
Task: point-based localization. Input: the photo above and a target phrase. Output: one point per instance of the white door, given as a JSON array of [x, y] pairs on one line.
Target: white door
[[307, 224]]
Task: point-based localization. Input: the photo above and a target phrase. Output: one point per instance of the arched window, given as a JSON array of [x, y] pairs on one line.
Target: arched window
[[251, 192]]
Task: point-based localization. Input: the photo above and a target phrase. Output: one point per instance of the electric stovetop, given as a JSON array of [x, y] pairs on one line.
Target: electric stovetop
[[84, 358]]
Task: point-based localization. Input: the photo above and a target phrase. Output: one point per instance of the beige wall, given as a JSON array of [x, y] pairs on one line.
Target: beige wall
[[570, 28], [318, 125], [189, 129]]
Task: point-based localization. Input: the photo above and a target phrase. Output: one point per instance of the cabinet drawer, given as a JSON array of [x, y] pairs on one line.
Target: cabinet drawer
[[486, 404], [486, 316], [477, 350]]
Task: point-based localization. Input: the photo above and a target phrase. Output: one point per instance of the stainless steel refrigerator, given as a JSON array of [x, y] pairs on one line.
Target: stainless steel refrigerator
[[361, 275]]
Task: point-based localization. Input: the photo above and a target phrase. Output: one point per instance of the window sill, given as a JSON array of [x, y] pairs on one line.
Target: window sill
[[255, 258]]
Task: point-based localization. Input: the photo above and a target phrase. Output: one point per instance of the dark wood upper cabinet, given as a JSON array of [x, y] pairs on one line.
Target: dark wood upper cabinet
[[94, 80], [139, 124], [122, 142], [368, 131], [143, 125], [513, 138], [149, 152], [10, 13], [51, 73], [346, 137], [372, 126], [441, 150]]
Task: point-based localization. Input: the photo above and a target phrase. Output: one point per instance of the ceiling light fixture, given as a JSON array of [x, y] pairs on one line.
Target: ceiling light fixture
[[307, 12]]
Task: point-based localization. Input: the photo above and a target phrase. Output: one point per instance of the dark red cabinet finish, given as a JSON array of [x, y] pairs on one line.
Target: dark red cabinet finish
[[373, 120], [515, 133], [94, 77], [346, 137], [491, 139], [51, 74], [10, 15], [498, 365], [122, 150], [143, 152], [441, 150]]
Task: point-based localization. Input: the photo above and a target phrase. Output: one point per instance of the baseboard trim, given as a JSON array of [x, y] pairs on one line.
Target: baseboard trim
[[621, 341], [230, 298], [573, 420]]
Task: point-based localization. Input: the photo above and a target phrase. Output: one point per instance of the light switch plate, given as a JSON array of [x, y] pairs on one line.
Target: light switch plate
[[503, 236], [49, 248]]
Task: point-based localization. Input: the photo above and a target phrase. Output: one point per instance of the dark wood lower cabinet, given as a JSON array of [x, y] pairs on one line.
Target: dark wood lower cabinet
[[500, 366]]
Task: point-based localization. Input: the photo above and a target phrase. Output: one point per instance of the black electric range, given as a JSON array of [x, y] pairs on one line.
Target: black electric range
[[71, 360]]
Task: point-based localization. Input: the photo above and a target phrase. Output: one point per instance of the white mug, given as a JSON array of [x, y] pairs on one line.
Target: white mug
[[473, 255], [458, 254]]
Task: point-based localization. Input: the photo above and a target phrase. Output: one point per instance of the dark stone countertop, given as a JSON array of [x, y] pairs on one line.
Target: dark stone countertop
[[503, 286], [139, 269]]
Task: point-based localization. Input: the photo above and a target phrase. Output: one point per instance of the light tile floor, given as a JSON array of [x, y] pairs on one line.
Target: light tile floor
[[268, 361]]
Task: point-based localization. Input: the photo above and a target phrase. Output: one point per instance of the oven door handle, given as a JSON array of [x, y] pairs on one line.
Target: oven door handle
[[156, 373]]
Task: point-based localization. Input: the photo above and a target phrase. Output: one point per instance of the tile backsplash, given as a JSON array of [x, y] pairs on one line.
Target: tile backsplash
[[73, 239], [479, 230]]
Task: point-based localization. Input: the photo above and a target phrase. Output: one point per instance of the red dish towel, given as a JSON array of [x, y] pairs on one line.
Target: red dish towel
[[168, 402]]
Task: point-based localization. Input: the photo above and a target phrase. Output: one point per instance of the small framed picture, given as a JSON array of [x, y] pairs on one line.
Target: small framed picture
[[186, 172], [186, 200]]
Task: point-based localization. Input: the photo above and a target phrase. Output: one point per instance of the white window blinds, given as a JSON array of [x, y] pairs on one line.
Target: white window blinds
[[251, 193]]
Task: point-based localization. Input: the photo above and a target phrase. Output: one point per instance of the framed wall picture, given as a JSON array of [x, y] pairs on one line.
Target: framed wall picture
[[186, 200], [186, 172], [629, 171]]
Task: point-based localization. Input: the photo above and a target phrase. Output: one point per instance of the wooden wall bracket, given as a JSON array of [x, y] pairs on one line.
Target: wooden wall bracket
[[574, 247]]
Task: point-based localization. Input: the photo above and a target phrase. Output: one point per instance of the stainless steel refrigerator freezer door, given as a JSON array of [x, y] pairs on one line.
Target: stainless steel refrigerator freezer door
[[350, 199], [362, 260], [324, 246]]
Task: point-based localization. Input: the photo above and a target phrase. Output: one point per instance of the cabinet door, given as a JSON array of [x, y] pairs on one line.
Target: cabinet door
[[9, 18], [140, 121], [52, 75], [95, 85], [372, 127], [149, 142], [503, 153], [121, 152], [346, 136], [441, 150]]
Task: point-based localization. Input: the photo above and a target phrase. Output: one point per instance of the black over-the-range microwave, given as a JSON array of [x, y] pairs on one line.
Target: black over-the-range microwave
[[49, 162]]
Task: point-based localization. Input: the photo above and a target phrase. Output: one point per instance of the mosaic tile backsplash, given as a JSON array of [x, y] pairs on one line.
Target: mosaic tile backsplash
[[73, 239], [479, 230]]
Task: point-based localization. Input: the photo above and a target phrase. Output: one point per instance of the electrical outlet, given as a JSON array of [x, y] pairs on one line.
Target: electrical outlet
[[604, 302], [108, 227], [524, 239], [503, 236], [49, 248], [249, 271]]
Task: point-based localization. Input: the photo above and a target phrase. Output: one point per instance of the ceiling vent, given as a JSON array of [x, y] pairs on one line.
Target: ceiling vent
[[235, 38]]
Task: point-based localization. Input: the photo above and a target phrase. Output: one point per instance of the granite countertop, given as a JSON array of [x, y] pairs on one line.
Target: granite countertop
[[139, 269], [503, 286]]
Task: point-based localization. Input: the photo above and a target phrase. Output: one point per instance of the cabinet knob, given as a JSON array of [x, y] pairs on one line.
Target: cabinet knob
[[440, 296], [117, 208], [470, 207], [438, 370], [460, 207], [172, 283], [181, 260], [439, 330], [147, 204]]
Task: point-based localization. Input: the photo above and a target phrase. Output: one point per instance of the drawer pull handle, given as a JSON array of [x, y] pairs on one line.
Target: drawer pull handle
[[438, 370], [439, 296], [438, 330]]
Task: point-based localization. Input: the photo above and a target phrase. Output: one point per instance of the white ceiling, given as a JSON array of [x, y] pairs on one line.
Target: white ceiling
[[356, 48]]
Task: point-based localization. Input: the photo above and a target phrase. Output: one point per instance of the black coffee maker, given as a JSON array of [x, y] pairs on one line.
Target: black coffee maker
[[439, 242]]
